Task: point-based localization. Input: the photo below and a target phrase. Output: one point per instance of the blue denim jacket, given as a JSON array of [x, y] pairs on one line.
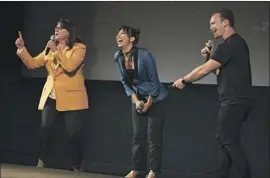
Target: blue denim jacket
[[148, 83]]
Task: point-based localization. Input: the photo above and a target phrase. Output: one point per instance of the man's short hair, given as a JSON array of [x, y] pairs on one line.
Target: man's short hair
[[226, 14]]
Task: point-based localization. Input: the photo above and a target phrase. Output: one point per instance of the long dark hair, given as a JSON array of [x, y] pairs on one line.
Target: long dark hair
[[131, 32], [69, 26]]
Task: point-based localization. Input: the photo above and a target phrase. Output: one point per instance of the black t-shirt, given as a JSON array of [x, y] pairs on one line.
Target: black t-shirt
[[234, 78], [216, 43]]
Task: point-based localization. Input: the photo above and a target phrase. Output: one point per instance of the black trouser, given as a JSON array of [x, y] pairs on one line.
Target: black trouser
[[230, 150], [148, 125], [73, 126]]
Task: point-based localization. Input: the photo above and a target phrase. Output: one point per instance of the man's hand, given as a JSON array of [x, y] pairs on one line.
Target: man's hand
[[178, 84], [205, 51]]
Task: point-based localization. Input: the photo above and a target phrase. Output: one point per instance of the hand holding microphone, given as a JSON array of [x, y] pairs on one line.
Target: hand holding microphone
[[51, 45], [206, 51], [140, 106]]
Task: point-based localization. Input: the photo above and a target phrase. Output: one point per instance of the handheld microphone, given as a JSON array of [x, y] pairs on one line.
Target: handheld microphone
[[48, 49], [139, 110], [209, 45]]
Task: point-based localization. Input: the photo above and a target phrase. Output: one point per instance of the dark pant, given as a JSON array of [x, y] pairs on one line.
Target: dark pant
[[73, 126], [148, 125], [230, 150]]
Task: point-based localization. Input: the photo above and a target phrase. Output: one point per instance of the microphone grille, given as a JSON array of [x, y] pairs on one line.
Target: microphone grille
[[52, 38], [210, 43]]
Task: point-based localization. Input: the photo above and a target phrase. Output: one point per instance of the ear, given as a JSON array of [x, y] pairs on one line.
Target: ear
[[226, 22], [132, 39]]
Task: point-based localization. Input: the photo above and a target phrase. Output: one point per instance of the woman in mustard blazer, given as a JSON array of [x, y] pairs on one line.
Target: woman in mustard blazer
[[64, 92]]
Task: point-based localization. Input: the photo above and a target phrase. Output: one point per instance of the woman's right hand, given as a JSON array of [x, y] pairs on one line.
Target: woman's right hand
[[19, 41], [135, 99]]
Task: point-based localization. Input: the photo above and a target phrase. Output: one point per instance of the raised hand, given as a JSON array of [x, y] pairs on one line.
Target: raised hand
[[19, 41]]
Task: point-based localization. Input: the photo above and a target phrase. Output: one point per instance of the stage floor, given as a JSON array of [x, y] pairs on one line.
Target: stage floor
[[20, 171]]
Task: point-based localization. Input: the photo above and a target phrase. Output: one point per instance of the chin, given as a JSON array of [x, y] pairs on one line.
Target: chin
[[120, 46], [216, 36]]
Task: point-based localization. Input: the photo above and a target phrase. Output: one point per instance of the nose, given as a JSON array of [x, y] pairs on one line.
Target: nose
[[210, 27]]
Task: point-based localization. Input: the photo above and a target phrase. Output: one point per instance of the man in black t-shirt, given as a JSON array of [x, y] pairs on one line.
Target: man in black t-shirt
[[234, 88]]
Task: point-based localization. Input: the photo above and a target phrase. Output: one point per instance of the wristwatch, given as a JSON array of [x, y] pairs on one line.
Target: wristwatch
[[184, 82]]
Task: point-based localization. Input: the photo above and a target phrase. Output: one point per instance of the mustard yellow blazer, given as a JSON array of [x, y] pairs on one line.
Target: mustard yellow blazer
[[65, 76]]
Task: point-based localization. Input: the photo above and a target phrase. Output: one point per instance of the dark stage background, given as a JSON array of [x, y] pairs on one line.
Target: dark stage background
[[189, 134]]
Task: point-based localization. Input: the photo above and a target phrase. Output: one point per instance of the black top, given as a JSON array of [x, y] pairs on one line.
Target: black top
[[216, 43], [130, 74], [234, 79]]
